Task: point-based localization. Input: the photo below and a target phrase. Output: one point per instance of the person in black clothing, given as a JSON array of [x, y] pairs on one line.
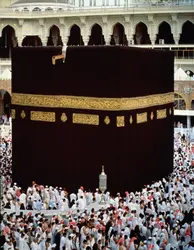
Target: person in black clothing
[[2, 241], [57, 240], [189, 217], [108, 225]]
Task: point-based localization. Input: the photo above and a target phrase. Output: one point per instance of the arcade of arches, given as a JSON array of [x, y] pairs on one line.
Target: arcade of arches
[[9, 37]]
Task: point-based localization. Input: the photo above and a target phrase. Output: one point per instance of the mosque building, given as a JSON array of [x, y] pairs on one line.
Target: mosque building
[[155, 24]]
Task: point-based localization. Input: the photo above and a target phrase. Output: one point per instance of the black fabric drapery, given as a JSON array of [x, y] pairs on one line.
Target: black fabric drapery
[[70, 155]]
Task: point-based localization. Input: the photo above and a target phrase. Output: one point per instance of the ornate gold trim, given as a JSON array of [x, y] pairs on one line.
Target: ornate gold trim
[[91, 103], [120, 121], [161, 114], [131, 119], [107, 120], [23, 114], [86, 119], [91, 119], [42, 116], [63, 117], [13, 113], [142, 117]]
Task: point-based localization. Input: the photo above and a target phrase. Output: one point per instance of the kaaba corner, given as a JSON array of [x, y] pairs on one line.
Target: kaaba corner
[[103, 105]]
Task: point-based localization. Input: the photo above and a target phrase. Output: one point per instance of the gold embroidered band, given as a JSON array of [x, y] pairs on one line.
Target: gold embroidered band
[[131, 119], [120, 121], [42, 116], [161, 114], [107, 120], [23, 114], [92, 119], [86, 119], [91, 103], [63, 117], [142, 117], [13, 113], [152, 116]]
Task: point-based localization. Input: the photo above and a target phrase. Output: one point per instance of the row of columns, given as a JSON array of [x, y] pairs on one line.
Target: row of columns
[[86, 38], [188, 121], [172, 32]]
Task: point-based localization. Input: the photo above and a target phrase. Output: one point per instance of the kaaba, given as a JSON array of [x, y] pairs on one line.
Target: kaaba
[[103, 105]]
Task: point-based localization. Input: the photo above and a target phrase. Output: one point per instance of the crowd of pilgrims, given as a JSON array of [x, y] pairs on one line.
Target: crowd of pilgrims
[[161, 216]]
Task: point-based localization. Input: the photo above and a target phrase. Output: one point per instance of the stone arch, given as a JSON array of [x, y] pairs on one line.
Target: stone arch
[[5, 102], [11, 25], [8, 40], [187, 33], [8, 26], [180, 101], [118, 35], [96, 35], [141, 35], [25, 9], [75, 37], [92, 26], [183, 23], [50, 27], [165, 33], [49, 9], [6, 85], [114, 24], [32, 41], [54, 38], [180, 93], [160, 22], [71, 26], [140, 22], [36, 9], [192, 104]]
